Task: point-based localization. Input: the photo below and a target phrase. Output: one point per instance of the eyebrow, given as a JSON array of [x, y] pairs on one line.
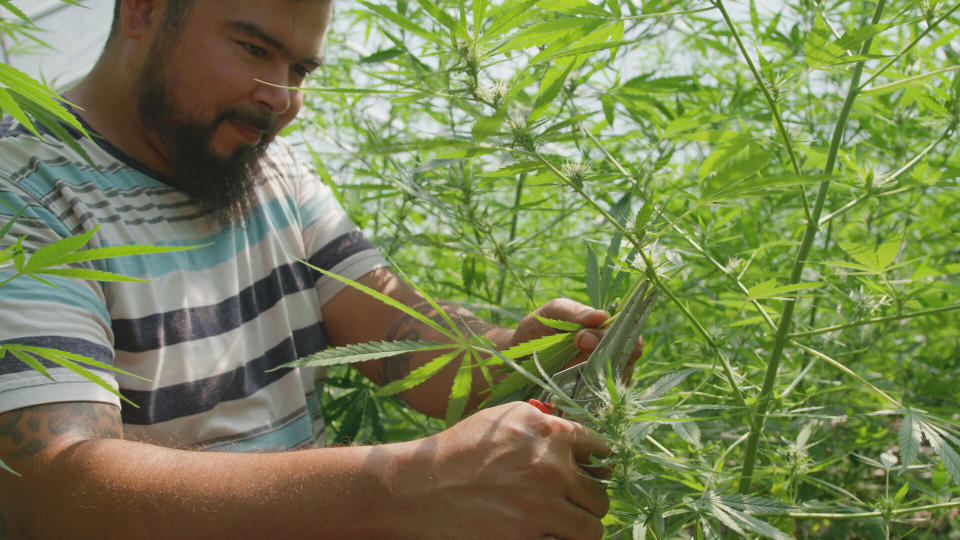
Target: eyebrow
[[256, 31]]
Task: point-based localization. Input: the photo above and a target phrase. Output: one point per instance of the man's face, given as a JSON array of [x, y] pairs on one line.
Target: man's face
[[206, 94]]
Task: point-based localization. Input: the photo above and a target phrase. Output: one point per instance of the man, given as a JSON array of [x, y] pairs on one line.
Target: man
[[185, 102]]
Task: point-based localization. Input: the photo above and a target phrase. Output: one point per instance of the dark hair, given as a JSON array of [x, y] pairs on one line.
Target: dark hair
[[172, 19]]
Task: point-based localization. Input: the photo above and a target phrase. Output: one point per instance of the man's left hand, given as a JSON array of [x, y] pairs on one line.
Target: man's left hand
[[586, 340]]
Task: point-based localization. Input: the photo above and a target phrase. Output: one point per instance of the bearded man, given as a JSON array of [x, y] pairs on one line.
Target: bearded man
[[184, 107]]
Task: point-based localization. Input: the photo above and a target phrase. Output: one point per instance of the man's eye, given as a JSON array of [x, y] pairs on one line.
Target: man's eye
[[253, 49], [301, 71]]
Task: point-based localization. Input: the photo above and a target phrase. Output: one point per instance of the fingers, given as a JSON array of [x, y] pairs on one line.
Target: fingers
[[575, 522], [564, 309]]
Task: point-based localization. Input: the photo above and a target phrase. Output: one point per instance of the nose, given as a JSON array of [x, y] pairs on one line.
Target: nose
[[272, 96]]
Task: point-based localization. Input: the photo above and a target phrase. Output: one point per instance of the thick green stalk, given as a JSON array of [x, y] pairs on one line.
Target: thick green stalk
[[783, 328]]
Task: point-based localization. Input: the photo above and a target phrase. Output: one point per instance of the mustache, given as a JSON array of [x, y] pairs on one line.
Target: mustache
[[258, 119]]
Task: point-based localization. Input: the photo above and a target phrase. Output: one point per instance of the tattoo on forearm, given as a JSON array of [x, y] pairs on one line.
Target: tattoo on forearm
[[408, 328], [27, 432]]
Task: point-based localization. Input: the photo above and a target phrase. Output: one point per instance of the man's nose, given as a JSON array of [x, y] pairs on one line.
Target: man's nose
[[271, 94]]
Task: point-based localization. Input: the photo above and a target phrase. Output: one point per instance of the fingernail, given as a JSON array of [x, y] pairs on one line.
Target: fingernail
[[586, 315], [588, 341]]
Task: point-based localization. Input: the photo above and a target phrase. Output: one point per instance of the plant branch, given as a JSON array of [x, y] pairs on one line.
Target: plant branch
[[908, 47], [778, 122], [877, 513], [876, 320]]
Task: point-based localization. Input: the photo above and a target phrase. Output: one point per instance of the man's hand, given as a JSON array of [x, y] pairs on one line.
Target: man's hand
[[506, 472], [587, 339]]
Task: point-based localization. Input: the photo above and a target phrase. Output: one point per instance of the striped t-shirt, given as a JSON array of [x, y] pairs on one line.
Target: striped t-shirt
[[210, 323]]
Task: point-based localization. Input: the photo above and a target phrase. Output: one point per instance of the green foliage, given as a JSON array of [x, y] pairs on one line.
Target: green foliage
[[784, 174]]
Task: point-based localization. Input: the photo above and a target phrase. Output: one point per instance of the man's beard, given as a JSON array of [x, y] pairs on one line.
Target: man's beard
[[223, 187]]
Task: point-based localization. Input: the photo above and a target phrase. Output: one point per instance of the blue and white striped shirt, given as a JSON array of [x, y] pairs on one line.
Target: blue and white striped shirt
[[209, 323]]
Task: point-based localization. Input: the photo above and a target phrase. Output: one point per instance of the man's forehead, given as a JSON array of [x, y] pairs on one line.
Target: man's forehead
[[297, 27]]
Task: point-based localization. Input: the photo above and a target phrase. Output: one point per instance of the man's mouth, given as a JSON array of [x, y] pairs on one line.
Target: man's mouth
[[248, 133], [252, 127]]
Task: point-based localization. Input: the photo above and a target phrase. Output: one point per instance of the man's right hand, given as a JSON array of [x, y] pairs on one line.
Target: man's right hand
[[505, 472]]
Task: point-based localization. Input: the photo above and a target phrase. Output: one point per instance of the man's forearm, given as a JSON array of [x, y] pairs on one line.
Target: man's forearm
[[124, 489], [431, 396], [508, 471]]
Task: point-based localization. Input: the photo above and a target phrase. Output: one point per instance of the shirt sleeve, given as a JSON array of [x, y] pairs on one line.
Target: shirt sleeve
[[39, 317], [331, 240]]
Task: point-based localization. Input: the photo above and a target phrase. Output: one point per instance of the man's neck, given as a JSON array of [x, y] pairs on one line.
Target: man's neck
[[107, 102]]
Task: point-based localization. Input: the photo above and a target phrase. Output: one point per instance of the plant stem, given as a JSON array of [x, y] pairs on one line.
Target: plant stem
[[862, 515], [778, 122], [848, 371], [517, 196], [780, 340], [908, 47], [876, 320]]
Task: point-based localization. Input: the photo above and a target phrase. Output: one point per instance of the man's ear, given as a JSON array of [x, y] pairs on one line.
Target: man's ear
[[137, 16]]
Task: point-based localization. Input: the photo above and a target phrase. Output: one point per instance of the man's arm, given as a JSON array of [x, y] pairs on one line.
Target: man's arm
[[80, 480], [355, 317]]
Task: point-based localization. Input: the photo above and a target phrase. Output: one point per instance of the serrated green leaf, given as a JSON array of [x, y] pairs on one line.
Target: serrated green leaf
[[761, 185], [901, 493], [688, 431], [418, 375], [550, 87], [485, 126], [563, 326], [863, 255], [943, 449], [83, 273], [887, 253], [67, 254], [535, 345], [770, 289], [508, 16], [402, 22], [66, 360], [392, 302], [362, 352], [444, 19], [15, 10], [852, 39], [754, 505], [382, 55], [460, 390], [742, 522], [909, 438], [9, 224], [50, 254], [819, 49], [54, 121], [353, 418], [26, 359], [10, 106], [664, 384], [551, 358]]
